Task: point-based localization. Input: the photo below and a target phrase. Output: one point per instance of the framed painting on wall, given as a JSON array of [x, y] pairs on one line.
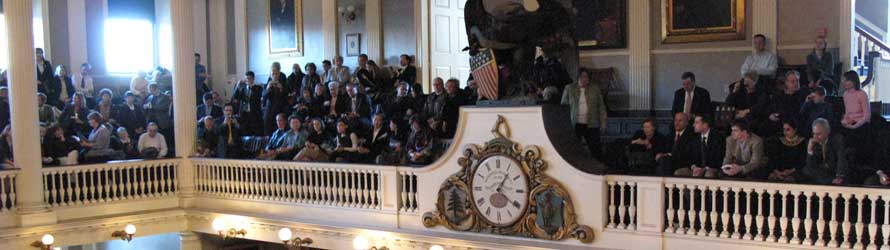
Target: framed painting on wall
[[687, 21], [601, 24], [353, 44], [284, 22]]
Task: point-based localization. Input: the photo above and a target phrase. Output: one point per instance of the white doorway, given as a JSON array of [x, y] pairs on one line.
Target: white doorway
[[448, 38]]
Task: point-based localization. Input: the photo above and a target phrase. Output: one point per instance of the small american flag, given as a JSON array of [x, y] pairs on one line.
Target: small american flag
[[485, 72]]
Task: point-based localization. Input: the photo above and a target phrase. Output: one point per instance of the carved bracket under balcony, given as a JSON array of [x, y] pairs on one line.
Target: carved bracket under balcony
[[501, 189]]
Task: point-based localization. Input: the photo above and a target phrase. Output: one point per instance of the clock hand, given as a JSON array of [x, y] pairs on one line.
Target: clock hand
[[502, 182]]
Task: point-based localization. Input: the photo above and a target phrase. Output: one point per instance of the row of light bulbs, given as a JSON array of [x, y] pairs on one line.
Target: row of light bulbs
[[220, 225], [46, 242], [286, 235]]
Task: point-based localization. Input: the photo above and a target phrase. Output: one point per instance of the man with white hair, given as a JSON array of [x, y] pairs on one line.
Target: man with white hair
[[826, 156], [152, 144]]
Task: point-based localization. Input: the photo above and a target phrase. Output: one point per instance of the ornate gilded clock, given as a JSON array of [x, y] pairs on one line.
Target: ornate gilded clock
[[501, 189]]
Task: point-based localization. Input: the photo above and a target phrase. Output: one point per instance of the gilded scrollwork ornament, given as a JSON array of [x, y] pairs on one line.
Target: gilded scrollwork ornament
[[501, 189]]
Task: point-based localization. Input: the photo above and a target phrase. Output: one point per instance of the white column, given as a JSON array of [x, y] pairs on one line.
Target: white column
[[77, 33], [329, 28], [422, 29], [200, 29], [374, 29], [845, 32], [241, 36], [23, 102], [640, 70], [181, 12], [219, 47], [189, 241], [765, 21]]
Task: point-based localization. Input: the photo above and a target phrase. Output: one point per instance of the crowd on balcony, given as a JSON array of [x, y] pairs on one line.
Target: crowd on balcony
[[80, 125], [369, 115], [779, 130]]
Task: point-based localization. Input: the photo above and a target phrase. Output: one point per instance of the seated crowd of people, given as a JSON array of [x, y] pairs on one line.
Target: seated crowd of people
[[367, 115], [80, 125], [779, 131]]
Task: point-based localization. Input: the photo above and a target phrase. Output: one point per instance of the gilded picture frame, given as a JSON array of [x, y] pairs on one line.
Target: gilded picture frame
[[284, 27], [688, 21]]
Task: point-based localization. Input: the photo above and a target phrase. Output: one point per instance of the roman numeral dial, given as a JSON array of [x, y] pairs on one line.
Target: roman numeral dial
[[499, 188]]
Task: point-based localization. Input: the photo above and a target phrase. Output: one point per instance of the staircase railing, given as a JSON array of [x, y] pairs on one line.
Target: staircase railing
[[868, 48]]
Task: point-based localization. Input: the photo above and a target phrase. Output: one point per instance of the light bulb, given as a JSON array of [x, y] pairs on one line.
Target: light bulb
[[48, 239], [350, 8], [437, 247], [130, 229], [360, 243], [218, 224], [285, 234]]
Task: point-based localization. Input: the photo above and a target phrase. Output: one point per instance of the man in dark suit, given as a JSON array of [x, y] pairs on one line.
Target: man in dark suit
[[208, 108], [680, 153], [230, 132], [707, 150], [408, 73], [826, 156], [129, 115], [249, 95], [691, 99], [157, 108], [378, 137], [358, 108]]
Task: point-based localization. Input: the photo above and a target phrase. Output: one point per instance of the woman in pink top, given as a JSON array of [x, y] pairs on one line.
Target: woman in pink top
[[856, 106]]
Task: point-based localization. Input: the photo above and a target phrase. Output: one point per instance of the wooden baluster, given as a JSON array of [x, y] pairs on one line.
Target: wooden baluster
[[860, 227], [681, 210], [68, 199], [46, 190], [872, 226], [403, 193], [316, 194], [12, 192], [282, 184], [304, 190], [364, 187], [670, 211], [848, 227], [833, 224], [724, 215], [153, 177], [168, 180], [783, 219], [749, 207], [55, 179], [100, 187], [236, 181], [3, 183], [224, 179], [330, 187], [117, 175], [702, 213], [820, 220], [339, 198], [885, 228], [327, 197], [712, 215], [633, 206], [76, 199], [360, 189], [611, 190], [94, 186], [808, 221], [770, 227], [620, 222], [128, 183], [106, 185], [146, 181], [736, 214], [291, 185], [760, 218], [412, 191], [690, 211], [795, 220], [114, 193], [351, 189]]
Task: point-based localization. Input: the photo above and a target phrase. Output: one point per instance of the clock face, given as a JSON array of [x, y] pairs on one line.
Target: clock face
[[500, 190]]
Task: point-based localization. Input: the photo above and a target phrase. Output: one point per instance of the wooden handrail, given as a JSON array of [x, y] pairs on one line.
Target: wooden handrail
[[873, 39]]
